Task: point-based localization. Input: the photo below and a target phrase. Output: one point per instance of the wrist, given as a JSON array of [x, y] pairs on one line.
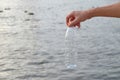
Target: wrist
[[95, 12], [90, 13]]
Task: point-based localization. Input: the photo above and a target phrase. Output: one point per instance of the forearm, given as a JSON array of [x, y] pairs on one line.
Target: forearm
[[106, 11]]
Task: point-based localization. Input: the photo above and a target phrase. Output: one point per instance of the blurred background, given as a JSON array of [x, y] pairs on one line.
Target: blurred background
[[32, 41]]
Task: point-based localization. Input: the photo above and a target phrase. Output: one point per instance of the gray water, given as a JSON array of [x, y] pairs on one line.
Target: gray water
[[32, 41]]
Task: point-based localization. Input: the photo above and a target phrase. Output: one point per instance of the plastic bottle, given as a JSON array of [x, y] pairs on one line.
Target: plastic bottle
[[71, 45]]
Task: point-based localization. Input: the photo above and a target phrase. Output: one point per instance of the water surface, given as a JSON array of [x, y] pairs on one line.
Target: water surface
[[32, 45]]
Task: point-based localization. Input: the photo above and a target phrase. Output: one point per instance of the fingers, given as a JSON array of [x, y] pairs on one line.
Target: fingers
[[78, 25], [71, 20], [74, 23], [69, 17]]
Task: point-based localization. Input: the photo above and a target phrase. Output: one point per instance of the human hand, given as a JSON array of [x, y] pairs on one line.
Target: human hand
[[75, 17]]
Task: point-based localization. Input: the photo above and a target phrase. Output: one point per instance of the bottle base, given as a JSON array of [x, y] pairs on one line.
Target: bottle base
[[71, 66]]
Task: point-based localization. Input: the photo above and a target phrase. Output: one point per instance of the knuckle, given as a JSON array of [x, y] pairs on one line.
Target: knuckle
[[67, 16], [73, 12]]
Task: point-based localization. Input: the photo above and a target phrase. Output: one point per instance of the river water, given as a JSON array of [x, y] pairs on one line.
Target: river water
[[32, 41]]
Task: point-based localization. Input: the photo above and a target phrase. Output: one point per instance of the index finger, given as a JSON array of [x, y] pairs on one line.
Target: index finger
[[68, 17]]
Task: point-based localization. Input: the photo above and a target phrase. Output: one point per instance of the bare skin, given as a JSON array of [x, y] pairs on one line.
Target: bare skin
[[76, 17]]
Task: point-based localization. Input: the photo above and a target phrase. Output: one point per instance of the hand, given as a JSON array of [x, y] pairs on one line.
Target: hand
[[75, 17]]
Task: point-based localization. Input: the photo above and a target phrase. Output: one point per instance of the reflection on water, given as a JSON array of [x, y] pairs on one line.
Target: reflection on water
[[32, 46]]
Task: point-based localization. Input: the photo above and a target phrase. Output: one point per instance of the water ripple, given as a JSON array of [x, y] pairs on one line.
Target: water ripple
[[38, 63], [31, 76], [8, 69]]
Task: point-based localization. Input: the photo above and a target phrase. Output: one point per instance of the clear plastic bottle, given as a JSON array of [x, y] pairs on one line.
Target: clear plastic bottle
[[70, 47]]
